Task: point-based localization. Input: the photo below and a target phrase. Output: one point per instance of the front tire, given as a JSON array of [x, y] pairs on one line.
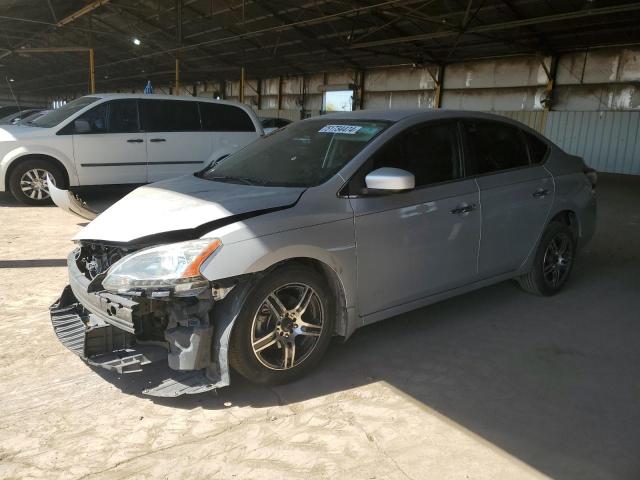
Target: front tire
[[284, 326], [28, 184], [553, 261]]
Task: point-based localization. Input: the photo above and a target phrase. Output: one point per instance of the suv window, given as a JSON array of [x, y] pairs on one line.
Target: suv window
[[123, 116], [96, 118], [117, 116], [217, 117], [169, 116], [537, 148], [495, 146], [429, 151]]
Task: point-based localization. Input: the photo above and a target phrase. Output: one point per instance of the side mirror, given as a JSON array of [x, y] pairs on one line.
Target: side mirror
[[390, 180], [81, 126]]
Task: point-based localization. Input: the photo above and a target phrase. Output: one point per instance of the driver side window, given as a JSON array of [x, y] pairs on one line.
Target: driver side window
[[429, 151], [116, 116], [96, 118]]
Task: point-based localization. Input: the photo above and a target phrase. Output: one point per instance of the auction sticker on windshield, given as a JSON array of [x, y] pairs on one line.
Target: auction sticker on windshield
[[346, 129]]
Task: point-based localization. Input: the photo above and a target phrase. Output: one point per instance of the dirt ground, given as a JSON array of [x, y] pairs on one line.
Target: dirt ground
[[492, 384]]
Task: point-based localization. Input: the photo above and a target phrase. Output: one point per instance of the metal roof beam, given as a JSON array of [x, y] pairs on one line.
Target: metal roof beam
[[505, 25], [83, 11]]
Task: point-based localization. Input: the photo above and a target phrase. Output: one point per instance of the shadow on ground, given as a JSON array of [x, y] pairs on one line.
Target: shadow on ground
[[553, 381]]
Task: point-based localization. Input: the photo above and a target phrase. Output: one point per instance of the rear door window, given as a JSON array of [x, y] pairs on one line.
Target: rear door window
[[495, 146], [217, 117], [169, 116]]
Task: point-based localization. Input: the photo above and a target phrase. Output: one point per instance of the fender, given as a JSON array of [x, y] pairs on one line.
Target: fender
[[334, 248], [20, 151]]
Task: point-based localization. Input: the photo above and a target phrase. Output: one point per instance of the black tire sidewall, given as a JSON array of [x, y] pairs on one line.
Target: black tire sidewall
[[550, 233], [24, 166], [243, 359]]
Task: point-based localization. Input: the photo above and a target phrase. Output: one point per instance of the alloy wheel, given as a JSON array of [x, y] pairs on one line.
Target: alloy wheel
[[557, 260], [33, 183], [287, 326]]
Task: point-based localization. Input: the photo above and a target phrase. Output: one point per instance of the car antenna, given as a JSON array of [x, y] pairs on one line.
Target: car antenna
[[12, 94]]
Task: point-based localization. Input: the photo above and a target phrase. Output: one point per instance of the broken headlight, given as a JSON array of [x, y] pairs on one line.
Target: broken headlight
[[172, 268]]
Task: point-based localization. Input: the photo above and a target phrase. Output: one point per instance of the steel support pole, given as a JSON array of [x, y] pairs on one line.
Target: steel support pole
[[437, 98], [92, 72], [177, 82], [241, 93]]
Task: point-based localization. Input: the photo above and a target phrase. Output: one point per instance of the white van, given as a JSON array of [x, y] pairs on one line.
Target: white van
[[109, 139]]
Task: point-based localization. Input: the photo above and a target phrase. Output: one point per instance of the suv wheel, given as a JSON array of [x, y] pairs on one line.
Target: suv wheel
[[284, 326], [553, 261], [28, 181]]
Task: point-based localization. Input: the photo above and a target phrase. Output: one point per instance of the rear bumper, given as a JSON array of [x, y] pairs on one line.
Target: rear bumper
[[588, 220]]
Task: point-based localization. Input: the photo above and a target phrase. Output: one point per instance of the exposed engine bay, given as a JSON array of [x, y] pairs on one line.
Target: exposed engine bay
[[122, 333], [93, 259]]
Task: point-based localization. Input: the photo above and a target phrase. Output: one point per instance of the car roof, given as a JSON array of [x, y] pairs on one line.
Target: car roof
[[397, 115], [157, 96]]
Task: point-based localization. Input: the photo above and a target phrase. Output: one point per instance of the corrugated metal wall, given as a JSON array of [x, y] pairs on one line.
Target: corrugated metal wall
[[608, 141], [535, 119]]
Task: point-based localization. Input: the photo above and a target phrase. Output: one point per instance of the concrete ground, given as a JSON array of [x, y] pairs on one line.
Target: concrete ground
[[493, 384]]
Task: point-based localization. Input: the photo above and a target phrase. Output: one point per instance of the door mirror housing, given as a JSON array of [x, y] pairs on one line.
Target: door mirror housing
[[81, 126], [388, 179]]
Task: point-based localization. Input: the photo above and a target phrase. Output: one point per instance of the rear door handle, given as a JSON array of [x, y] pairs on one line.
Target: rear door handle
[[462, 209], [541, 192], [155, 140], [135, 140]]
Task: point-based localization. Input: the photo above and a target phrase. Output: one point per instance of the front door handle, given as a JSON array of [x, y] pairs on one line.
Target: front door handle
[[462, 209], [154, 140], [135, 140], [541, 192]]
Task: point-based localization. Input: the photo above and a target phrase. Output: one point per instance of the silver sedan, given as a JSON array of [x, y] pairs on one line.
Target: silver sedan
[[333, 224]]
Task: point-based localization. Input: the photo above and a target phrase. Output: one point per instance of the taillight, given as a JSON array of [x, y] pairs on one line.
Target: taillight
[[592, 175]]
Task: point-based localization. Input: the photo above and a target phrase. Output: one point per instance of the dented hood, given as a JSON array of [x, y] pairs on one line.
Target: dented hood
[[185, 207]]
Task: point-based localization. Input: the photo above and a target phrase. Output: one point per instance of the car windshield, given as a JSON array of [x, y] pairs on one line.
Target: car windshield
[[303, 154], [54, 117]]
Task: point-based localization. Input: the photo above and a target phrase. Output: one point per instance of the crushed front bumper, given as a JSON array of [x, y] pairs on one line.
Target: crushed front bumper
[[69, 202], [96, 341], [100, 328]]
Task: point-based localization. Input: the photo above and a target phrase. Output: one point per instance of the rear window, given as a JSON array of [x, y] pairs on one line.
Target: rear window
[[217, 117], [169, 116]]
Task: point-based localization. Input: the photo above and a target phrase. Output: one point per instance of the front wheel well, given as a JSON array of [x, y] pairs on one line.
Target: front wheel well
[[47, 158], [334, 283]]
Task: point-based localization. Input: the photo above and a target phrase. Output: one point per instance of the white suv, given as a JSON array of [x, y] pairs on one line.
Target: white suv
[[120, 139]]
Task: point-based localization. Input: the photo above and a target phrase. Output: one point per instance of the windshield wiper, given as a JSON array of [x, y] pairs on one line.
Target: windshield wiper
[[245, 180]]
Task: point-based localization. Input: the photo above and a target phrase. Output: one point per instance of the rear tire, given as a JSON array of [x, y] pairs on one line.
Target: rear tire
[[553, 261], [265, 333], [27, 181]]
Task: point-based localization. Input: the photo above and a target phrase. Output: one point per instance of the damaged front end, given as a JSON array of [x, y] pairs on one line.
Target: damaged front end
[[122, 332]]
